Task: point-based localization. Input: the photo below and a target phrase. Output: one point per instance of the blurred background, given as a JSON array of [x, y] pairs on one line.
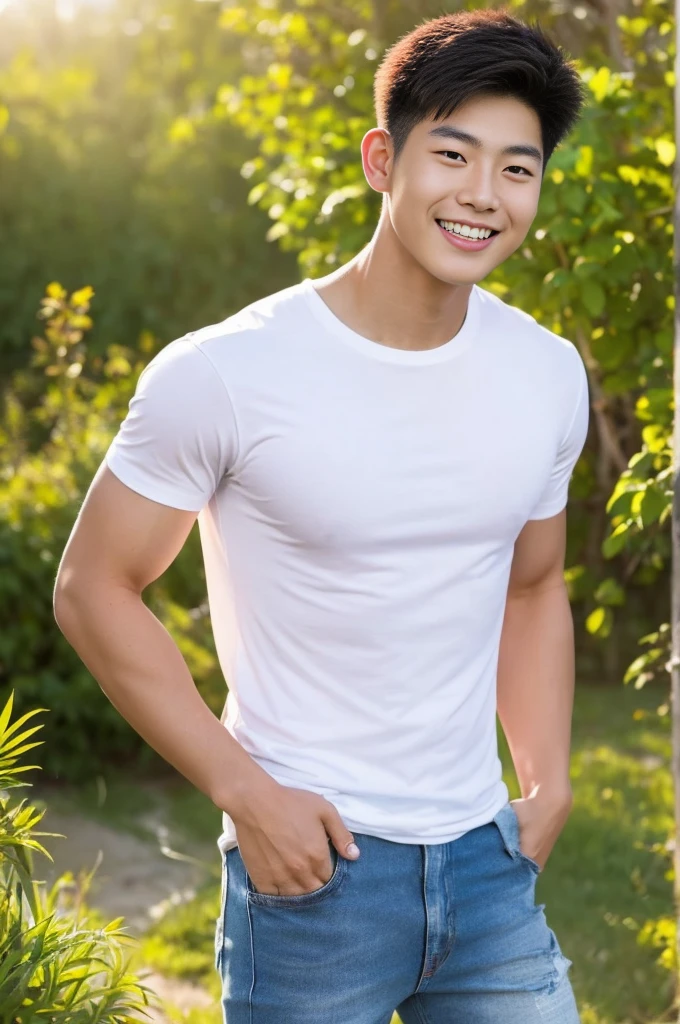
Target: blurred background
[[162, 164]]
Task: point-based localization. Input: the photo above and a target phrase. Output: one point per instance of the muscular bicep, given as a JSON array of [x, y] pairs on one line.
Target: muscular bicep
[[168, 458], [538, 558], [120, 537]]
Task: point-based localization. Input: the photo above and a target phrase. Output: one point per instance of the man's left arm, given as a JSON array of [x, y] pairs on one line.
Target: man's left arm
[[535, 686]]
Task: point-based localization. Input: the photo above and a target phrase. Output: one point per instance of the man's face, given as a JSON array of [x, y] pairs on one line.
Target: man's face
[[439, 178]]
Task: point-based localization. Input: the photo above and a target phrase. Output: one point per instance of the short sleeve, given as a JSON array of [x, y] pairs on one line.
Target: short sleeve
[[554, 497], [179, 437]]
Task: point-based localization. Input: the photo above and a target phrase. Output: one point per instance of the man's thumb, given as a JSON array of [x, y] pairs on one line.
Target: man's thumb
[[342, 839]]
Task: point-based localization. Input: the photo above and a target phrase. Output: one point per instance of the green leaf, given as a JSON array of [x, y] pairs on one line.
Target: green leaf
[[619, 502], [592, 296], [4, 734], [6, 713], [584, 164], [21, 750], [616, 540], [610, 592], [5, 747], [596, 620], [599, 83], [665, 149], [636, 667], [652, 506]]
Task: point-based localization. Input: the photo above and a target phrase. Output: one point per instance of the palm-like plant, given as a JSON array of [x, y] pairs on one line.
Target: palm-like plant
[[54, 966]]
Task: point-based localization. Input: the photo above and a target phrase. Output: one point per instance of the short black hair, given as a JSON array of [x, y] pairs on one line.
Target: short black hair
[[447, 60]]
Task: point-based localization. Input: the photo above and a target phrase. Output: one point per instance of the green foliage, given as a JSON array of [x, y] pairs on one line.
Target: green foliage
[[640, 505], [54, 965], [60, 420], [182, 944], [107, 180], [611, 294]]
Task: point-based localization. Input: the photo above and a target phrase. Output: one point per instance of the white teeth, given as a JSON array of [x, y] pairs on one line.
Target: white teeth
[[464, 230]]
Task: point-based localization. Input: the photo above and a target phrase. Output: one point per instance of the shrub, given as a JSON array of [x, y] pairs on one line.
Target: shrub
[[59, 421], [54, 965]]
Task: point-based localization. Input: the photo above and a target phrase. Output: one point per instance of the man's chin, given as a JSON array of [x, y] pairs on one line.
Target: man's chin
[[461, 277]]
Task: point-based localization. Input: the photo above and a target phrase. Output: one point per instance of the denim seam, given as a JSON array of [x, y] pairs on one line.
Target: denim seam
[[427, 923], [420, 1009], [554, 981], [452, 937], [264, 899], [519, 851], [558, 961], [252, 962], [513, 848], [558, 978]]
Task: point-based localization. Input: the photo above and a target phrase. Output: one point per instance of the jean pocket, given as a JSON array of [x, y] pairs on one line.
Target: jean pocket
[[302, 899], [507, 823]]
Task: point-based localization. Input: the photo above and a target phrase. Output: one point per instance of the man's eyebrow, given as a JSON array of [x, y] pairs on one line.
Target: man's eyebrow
[[447, 131]]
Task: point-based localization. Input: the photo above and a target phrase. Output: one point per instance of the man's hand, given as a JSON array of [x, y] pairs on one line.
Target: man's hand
[[541, 818], [283, 837]]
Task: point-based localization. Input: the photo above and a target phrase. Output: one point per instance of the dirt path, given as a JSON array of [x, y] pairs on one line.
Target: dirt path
[[135, 879]]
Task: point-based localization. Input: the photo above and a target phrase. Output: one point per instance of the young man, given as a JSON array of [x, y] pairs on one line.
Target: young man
[[379, 462]]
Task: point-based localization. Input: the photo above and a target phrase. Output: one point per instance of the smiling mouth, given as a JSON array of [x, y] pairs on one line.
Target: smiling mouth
[[459, 234]]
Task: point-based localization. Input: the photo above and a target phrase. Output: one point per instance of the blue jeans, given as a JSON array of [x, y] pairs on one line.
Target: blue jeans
[[446, 933]]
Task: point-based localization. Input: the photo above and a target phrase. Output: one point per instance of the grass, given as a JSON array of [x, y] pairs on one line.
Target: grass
[[602, 882]]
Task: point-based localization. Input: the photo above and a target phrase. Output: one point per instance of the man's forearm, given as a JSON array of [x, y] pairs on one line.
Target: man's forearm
[[142, 672], [535, 691]]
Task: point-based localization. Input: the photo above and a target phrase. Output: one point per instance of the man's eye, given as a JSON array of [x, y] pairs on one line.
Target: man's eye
[[514, 168]]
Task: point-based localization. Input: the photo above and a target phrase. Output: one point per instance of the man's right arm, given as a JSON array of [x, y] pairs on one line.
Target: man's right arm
[[121, 542]]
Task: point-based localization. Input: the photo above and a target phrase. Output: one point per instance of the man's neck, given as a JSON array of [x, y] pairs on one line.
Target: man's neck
[[384, 310]]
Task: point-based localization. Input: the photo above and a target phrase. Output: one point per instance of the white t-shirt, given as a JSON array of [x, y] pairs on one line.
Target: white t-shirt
[[358, 510]]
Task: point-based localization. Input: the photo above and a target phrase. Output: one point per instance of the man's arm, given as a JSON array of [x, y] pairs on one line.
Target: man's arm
[[120, 543], [535, 689]]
